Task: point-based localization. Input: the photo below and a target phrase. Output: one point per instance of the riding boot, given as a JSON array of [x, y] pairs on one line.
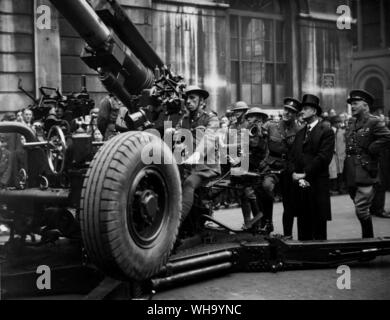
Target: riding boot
[[367, 228]]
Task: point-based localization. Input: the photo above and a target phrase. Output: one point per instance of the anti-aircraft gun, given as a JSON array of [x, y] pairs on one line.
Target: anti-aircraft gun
[[121, 199], [128, 211]]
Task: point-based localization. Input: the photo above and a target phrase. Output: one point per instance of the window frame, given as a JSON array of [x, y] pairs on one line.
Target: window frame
[[382, 23], [274, 18]]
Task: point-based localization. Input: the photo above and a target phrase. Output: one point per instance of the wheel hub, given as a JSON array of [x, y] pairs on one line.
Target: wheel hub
[[149, 204]]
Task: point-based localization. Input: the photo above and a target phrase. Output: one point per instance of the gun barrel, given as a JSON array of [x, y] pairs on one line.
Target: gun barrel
[[116, 17], [121, 72], [84, 20]]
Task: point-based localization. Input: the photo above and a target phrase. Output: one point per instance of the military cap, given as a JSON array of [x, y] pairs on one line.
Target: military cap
[[240, 106], [256, 110], [292, 104], [197, 90], [361, 95], [312, 101]]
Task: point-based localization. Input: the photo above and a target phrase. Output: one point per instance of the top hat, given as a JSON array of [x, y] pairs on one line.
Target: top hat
[[312, 101], [292, 104], [361, 95], [197, 90]]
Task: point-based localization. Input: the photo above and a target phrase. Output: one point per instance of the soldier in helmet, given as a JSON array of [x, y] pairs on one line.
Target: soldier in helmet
[[237, 121], [280, 138], [238, 115], [366, 136], [203, 126], [255, 118]]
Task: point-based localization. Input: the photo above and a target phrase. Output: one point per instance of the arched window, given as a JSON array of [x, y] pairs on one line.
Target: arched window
[[257, 52], [375, 86]]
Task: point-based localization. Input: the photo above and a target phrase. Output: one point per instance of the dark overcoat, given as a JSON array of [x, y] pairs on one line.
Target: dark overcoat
[[312, 156]]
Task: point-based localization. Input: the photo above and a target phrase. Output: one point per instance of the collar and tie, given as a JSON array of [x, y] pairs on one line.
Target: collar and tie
[[309, 129]]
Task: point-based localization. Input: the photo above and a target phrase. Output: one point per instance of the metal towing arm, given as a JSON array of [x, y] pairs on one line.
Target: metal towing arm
[[270, 254]]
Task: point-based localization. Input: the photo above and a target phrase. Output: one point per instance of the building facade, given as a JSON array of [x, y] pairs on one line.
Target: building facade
[[253, 50]]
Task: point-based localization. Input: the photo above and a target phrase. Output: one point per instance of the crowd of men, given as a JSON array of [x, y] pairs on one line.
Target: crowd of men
[[304, 156], [305, 146]]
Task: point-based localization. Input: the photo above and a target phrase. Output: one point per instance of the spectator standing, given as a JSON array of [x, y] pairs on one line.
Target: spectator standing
[[312, 153], [366, 136]]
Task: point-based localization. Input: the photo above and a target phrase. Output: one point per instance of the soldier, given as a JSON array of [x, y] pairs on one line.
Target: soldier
[[255, 118], [236, 123], [198, 120], [280, 138], [107, 117], [366, 136], [238, 112]]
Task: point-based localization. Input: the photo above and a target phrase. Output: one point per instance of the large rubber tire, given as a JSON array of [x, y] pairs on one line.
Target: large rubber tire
[[119, 246]]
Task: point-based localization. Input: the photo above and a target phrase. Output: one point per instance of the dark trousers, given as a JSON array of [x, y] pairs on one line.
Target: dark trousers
[[193, 182], [265, 197], [310, 228], [378, 203], [286, 187]]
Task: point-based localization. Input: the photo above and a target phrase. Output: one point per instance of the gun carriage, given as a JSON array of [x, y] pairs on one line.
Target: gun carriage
[[122, 215]]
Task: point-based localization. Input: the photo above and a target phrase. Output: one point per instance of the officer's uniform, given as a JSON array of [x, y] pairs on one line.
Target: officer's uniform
[[365, 138], [280, 138]]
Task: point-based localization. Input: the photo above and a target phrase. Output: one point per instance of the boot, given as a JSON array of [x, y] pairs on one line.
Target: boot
[[246, 212], [367, 228], [255, 209], [267, 226]]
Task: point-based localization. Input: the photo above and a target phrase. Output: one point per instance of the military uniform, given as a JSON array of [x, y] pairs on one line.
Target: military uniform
[[203, 126], [108, 113], [280, 138], [366, 137], [365, 140]]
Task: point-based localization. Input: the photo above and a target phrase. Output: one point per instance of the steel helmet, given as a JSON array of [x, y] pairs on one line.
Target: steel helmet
[[240, 106], [197, 90], [256, 110]]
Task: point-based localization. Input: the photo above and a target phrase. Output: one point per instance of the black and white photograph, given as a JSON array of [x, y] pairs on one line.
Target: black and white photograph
[[194, 156]]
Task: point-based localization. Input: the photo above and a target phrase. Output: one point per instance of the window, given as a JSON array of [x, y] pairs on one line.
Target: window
[[258, 62], [373, 24]]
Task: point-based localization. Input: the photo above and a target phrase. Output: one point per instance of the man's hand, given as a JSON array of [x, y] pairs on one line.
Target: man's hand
[[303, 183], [298, 176]]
